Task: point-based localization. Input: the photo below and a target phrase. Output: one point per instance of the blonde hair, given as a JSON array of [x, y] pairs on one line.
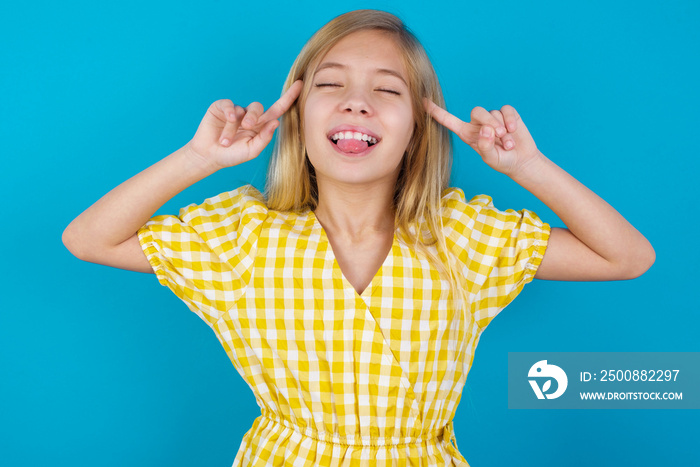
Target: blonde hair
[[425, 167]]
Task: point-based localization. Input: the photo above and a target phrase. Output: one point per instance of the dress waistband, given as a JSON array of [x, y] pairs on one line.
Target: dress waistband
[[446, 432]]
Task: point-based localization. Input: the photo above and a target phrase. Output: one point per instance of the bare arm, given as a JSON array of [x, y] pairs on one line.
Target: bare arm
[[598, 243], [105, 233], [229, 135]]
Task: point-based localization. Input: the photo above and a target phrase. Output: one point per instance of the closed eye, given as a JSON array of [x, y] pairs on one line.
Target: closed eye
[[337, 85], [390, 91]]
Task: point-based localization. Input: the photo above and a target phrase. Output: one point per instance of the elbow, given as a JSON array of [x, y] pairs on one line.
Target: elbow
[[640, 263], [71, 241], [68, 240]]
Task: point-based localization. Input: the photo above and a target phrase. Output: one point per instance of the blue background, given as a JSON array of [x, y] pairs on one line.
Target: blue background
[[105, 367]]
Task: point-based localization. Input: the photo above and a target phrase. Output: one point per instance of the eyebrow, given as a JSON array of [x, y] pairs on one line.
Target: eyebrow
[[384, 71]]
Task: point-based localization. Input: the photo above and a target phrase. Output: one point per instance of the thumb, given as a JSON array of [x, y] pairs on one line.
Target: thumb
[[263, 138], [486, 144]]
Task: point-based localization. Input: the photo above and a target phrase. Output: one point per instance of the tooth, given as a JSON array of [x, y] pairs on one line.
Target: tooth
[[354, 135]]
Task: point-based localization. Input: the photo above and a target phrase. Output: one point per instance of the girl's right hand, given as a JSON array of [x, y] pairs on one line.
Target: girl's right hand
[[230, 134]]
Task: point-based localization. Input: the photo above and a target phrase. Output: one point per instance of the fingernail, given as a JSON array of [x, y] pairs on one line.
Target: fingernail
[[509, 145], [225, 142], [486, 131]]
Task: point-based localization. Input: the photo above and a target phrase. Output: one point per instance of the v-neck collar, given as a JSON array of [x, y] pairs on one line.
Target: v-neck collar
[[376, 279]]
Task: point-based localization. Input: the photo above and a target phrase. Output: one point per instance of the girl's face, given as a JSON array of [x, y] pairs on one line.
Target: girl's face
[[358, 118]]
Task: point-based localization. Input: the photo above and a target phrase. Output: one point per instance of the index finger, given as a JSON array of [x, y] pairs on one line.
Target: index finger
[[443, 117], [283, 104]]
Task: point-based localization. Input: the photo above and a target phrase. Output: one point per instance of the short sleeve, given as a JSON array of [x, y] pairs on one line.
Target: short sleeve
[[205, 255], [499, 251]]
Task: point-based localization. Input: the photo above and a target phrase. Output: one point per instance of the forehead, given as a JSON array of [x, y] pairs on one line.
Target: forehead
[[376, 49]]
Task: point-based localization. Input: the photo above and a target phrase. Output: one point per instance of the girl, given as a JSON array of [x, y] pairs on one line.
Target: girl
[[352, 295]]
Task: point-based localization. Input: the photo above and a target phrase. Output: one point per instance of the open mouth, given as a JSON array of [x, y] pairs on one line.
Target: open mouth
[[353, 142]]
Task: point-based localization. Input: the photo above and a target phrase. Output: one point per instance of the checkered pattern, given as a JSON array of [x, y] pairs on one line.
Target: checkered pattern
[[340, 377]]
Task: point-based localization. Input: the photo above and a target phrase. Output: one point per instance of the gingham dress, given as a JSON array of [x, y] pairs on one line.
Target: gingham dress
[[343, 378]]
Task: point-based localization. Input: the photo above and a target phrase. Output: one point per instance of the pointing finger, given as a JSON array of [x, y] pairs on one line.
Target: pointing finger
[[443, 117], [283, 104]]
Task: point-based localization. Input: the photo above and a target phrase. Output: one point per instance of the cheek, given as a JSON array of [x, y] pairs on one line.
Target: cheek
[[398, 111], [311, 118], [310, 138], [403, 123], [313, 105], [409, 119]]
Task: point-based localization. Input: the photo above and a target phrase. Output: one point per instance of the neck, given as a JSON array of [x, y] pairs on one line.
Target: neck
[[356, 212]]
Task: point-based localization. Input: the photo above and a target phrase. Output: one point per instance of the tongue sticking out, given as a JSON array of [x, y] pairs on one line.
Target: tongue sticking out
[[352, 145]]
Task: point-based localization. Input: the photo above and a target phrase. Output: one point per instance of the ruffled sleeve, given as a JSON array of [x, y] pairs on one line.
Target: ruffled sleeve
[[205, 255], [499, 251]]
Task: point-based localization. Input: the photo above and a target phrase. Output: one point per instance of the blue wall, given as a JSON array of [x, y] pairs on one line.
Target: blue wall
[[105, 367]]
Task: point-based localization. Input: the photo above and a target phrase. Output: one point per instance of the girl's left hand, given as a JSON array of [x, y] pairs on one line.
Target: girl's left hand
[[500, 137]]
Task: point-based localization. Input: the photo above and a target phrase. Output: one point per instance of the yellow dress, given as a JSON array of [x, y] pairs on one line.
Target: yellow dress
[[343, 378]]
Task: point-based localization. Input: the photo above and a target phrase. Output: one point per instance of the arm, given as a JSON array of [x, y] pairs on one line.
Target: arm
[[229, 135], [105, 233], [598, 243]]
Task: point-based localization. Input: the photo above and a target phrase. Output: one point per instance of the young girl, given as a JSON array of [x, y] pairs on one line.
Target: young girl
[[352, 295]]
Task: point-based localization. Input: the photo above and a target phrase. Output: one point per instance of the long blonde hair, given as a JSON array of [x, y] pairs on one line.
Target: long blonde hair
[[425, 167]]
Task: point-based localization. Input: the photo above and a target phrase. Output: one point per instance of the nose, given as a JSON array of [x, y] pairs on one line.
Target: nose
[[356, 101]]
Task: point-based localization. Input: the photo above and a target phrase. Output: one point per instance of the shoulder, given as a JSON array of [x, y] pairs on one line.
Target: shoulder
[[243, 213], [231, 206], [454, 198], [218, 219], [455, 208], [479, 213]]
